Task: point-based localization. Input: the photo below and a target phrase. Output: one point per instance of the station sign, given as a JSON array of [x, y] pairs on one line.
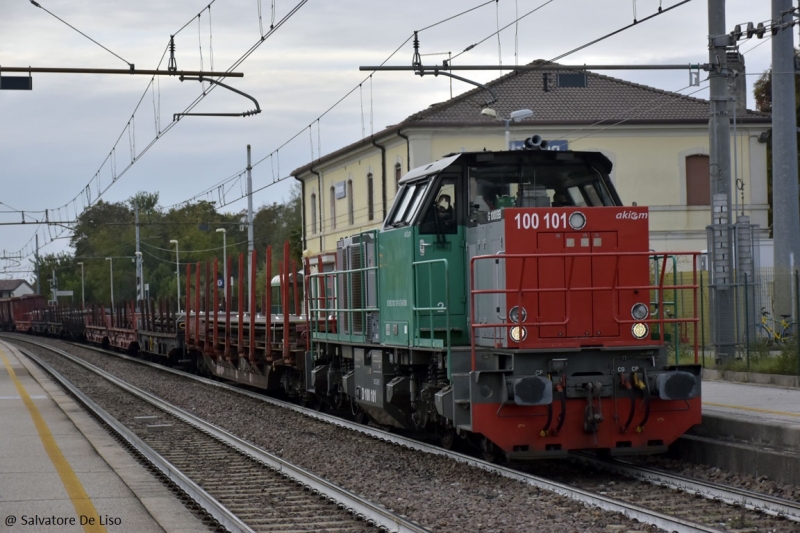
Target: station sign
[[16, 83]]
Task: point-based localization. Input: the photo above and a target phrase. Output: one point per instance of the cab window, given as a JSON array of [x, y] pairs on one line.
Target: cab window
[[407, 203], [442, 214]]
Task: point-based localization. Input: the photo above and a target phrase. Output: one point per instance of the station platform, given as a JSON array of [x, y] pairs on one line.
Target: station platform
[[751, 425], [60, 472], [755, 402]]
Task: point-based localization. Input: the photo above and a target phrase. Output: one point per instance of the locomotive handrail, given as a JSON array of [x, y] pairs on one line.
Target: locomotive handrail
[[615, 288], [350, 310], [416, 310]]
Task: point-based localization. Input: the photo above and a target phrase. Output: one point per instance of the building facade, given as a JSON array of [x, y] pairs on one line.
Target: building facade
[[657, 141], [10, 288]]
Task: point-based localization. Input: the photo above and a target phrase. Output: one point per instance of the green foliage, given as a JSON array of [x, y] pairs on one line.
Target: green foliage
[[107, 230]]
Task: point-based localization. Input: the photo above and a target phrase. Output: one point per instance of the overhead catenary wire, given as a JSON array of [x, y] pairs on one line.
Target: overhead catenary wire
[[319, 151], [532, 11], [79, 31], [339, 101], [517, 19], [497, 24], [86, 194]]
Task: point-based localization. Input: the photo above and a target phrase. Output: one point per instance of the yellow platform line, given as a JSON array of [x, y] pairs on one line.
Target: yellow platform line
[[80, 500], [754, 409]]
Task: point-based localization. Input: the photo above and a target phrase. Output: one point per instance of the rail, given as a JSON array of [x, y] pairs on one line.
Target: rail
[[355, 504], [644, 515]]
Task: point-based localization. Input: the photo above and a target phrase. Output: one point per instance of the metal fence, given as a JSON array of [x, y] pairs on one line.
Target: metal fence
[[759, 330]]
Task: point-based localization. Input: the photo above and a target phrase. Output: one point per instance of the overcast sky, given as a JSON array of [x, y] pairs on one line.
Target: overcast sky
[[56, 139]]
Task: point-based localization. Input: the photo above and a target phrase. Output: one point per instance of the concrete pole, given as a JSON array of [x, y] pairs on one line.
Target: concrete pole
[[111, 269], [785, 205], [38, 280], [83, 288], [721, 241], [249, 229], [138, 255]]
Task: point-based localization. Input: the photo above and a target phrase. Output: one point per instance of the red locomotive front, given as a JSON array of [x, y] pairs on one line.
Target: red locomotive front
[[566, 329]]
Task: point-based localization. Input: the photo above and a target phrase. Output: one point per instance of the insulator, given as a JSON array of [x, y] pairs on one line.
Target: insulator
[[416, 60], [172, 66]]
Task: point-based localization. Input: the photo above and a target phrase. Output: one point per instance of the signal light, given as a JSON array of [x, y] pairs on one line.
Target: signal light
[[639, 330], [517, 314], [518, 333], [577, 220], [639, 311]]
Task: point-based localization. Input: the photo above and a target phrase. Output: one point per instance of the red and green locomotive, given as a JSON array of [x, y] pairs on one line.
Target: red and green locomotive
[[507, 299]]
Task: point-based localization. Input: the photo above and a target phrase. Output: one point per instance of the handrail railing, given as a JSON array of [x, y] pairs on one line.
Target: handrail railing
[[568, 287], [430, 309]]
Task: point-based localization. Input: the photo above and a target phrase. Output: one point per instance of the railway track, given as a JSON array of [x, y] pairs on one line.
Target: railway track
[[675, 509], [737, 497], [242, 487]]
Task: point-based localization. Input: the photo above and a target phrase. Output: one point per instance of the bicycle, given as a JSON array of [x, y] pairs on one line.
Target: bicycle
[[772, 334]]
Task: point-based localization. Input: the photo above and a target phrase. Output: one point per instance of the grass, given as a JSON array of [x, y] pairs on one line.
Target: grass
[[763, 359]]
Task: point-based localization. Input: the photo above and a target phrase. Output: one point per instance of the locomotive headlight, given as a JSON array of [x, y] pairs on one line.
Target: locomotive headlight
[[639, 311], [639, 330], [517, 314], [577, 220], [518, 333]]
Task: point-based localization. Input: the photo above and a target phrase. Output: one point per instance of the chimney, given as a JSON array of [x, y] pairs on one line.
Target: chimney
[[737, 83]]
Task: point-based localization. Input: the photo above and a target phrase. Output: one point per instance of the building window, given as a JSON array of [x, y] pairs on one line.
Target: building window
[[370, 197], [313, 212], [398, 173], [698, 183], [333, 208], [350, 214]]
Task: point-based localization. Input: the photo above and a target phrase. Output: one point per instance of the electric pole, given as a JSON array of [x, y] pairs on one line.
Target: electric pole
[[138, 255], [785, 205], [720, 241], [249, 230], [38, 279]]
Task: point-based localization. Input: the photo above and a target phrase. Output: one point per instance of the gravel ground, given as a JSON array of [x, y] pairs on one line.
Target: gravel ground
[[763, 484], [443, 495]]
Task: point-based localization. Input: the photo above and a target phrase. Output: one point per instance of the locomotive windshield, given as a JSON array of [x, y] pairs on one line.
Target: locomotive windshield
[[464, 188], [538, 185]]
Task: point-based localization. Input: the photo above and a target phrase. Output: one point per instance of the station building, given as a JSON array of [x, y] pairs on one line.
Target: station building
[[657, 141], [10, 288]]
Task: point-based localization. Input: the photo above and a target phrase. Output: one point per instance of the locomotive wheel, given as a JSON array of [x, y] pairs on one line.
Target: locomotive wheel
[[362, 417], [490, 452], [448, 440], [318, 404]]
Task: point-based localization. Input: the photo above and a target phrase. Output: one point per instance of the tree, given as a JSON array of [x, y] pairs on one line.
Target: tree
[[762, 91]]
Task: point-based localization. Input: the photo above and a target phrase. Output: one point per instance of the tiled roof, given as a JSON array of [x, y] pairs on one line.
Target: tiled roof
[[602, 99], [10, 284]]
